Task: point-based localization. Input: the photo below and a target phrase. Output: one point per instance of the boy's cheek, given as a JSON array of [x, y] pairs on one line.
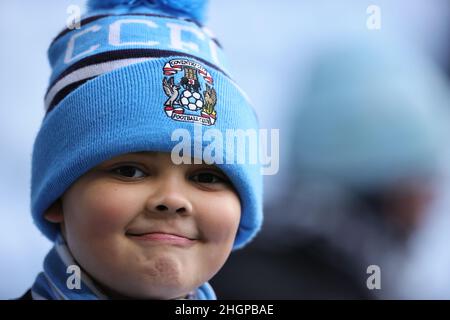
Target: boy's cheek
[[219, 224], [102, 210]]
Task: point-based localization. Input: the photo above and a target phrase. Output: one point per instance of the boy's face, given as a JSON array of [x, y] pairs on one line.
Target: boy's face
[[144, 227]]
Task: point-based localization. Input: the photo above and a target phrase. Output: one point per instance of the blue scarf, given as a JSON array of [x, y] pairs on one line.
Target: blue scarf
[[51, 283]]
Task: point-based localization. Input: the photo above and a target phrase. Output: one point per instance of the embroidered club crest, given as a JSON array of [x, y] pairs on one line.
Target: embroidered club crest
[[191, 96]]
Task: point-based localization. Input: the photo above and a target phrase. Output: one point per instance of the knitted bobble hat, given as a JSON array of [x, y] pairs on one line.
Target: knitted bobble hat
[[125, 81]]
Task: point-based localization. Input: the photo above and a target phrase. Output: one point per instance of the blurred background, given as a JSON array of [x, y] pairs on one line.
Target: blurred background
[[362, 107]]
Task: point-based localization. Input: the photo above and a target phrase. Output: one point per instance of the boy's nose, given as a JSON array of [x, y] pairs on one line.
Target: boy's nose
[[170, 208], [169, 199]]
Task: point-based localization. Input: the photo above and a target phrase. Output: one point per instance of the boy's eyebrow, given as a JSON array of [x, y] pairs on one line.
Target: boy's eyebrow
[[151, 154], [122, 157], [143, 152], [138, 153]]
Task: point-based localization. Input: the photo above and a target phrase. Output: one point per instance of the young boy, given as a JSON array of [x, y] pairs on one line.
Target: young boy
[[128, 218]]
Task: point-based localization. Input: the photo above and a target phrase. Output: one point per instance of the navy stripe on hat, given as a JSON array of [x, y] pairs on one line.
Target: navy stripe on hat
[[95, 65]]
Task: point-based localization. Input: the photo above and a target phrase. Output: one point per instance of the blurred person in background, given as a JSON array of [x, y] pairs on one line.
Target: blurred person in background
[[366, 149]]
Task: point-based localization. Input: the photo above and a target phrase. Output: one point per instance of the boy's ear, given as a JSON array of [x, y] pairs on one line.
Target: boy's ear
[[55, 213]]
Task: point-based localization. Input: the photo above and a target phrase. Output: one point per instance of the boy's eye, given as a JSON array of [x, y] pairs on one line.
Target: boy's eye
[[207, 177], [130, 172]]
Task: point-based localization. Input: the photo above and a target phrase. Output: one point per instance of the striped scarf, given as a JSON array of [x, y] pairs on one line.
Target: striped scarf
[[51, 284]]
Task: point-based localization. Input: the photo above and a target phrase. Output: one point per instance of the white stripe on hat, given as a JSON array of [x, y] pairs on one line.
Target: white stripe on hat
[[88, 72]]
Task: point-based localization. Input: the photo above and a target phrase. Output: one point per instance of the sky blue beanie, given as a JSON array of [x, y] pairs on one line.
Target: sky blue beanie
[[123, 82]]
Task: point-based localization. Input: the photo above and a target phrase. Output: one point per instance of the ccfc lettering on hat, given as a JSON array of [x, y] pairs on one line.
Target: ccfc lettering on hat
[[168, 35]]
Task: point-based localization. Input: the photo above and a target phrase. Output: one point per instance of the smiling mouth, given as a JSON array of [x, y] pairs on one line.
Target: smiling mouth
[[162, 238]]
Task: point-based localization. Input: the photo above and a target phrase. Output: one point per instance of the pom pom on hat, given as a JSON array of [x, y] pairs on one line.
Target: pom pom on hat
[[194, 9]]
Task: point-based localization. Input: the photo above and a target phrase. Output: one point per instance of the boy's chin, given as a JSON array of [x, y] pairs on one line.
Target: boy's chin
[[149, 289], [163, 277]]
